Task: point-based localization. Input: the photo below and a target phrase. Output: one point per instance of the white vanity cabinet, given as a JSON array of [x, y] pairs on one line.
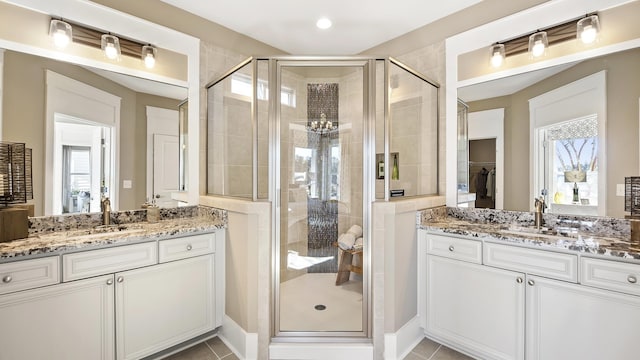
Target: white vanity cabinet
[[123, 302], [60, 322], [476, 308], [574, 307], [571, 321], [163, 305]]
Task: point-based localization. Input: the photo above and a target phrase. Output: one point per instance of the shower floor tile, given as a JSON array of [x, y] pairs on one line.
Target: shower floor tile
[[300, 296]]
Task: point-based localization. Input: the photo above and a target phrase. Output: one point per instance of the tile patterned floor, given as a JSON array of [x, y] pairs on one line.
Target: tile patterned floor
[[212, 349], [215, 349], [431, 350]]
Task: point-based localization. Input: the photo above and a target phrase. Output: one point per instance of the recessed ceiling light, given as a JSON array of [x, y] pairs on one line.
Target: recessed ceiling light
[[323, 23]]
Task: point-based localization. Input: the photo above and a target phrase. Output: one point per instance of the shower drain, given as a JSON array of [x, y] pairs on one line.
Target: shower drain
[[320, 307]]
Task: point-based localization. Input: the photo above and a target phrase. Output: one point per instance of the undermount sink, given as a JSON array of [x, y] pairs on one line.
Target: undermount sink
[[544, 232], [104, 230]]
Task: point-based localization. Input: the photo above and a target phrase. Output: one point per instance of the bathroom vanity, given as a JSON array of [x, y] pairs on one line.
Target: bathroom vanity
[[127, 293], [495, 293]]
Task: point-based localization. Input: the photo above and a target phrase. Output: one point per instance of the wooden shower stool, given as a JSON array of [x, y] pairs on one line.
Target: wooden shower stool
[[345, 267]]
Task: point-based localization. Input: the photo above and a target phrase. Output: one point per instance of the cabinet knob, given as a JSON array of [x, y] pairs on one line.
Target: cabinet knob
[[519, 280], [7, 279], [632, 279], [110, 282], [451, 248], [531, 282], [189, 247], [120, 279]]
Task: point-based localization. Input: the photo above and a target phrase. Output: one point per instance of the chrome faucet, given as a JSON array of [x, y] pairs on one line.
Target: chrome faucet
[[105, 207], [540, 206]]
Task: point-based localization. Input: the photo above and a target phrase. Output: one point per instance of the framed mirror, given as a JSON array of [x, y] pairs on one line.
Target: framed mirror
[[516, 90], [128, 78]]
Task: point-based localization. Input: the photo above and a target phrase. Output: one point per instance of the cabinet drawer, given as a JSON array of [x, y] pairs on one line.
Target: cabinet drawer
[[104, 261], [610, 275], [538, 262], [455, 248], [186, 247], [29, 274]]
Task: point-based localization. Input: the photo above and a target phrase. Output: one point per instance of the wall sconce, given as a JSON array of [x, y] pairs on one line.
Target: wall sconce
[[112, 45], [587, 30], [60, 32], [538, 44], [497, 55], [149, 56]]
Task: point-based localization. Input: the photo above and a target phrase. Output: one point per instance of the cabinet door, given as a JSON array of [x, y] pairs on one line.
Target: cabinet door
[[66, 321], [569, 321], [476, 308], [163, 305]]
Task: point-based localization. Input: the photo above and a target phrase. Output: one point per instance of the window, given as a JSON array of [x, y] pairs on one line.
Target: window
[[76, 180], [241, 85]]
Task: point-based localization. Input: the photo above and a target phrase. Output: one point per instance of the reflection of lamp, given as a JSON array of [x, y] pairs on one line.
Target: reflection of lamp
[[321, 126], [16, 187]]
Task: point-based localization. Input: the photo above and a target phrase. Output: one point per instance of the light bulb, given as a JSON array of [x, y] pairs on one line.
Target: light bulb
[[60, 39], [110, 51], [538, 48], [149, 61], [323, 23], [588, 34], [497, 59]]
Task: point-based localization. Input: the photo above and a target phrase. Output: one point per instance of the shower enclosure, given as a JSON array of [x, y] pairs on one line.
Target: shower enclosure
[[322, 139]]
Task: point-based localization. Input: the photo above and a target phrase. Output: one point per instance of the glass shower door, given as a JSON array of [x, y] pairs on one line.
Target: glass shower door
[[320, 280]]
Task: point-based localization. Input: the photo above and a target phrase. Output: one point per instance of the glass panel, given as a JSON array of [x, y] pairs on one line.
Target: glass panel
[[380, 104], [321, 200], [229, 136], [413, 140], [263, 129], [463, 148], [183, 132]]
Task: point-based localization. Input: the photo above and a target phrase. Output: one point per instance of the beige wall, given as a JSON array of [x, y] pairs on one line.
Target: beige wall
[[24, 119], [623, 94]]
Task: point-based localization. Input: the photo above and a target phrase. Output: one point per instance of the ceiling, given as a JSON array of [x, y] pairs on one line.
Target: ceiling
[[290, 25]]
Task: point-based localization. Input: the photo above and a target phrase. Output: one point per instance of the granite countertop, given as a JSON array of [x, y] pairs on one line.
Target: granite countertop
[[58, 242], [565, 239]]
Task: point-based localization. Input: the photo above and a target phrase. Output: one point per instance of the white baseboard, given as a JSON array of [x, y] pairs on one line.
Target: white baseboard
[[320, 351], [399, 344], [242, 343]]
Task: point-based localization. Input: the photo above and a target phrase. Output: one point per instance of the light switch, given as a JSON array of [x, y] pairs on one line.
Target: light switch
[[619, 189], [126, 184]]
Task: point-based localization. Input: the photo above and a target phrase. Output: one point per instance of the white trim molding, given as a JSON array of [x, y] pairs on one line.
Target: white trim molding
[[399, 344], [243, 344]]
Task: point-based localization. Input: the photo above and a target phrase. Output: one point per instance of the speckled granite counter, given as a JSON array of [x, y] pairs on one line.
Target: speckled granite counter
[[84, 238], [602, 236]]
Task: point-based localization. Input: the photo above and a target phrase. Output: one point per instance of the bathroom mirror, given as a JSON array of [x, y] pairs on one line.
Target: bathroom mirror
[[145, 108], [621, 153]]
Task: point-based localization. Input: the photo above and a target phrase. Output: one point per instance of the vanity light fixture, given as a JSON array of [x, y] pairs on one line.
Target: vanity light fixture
[[112, 45], [538, 44], [61, 33], [149, 56], [497, 55], [588, 29]]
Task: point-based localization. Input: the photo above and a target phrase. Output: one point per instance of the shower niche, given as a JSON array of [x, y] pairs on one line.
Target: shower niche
[[320, 139]]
